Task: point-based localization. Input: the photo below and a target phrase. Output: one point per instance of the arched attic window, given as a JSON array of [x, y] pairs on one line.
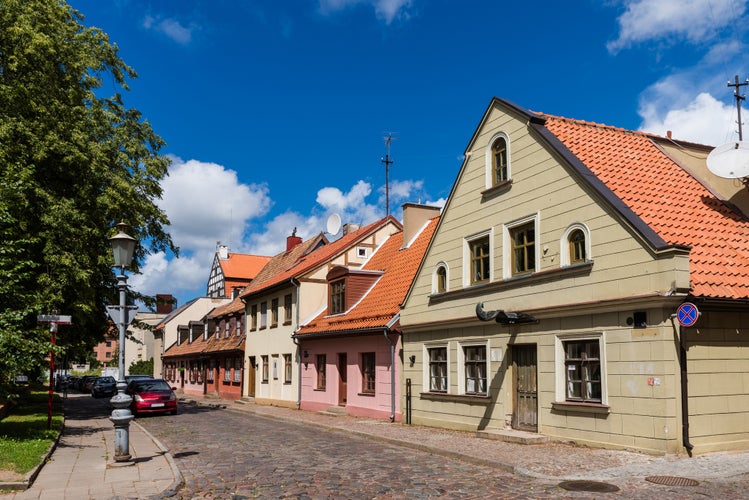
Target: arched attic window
[[575, 245], [498, 161], [439, 278]]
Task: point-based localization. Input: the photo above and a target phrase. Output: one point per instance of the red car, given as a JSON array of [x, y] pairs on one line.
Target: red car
[[152, 395]]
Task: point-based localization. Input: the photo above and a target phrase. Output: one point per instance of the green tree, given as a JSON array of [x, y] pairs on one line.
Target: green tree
[[142, 367], [74, 161]]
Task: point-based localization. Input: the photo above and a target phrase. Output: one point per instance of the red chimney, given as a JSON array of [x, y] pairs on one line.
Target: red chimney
[[164, 303], [292, 241]]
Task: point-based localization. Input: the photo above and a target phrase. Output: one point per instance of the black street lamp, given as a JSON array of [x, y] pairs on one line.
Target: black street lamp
[[123, 247]]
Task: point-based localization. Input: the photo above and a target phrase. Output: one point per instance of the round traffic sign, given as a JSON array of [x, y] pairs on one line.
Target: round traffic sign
[[687, 314]]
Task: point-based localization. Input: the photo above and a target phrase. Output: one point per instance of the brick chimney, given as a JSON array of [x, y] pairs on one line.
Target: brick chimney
[[292, 241], [164, 303], [415, 216]]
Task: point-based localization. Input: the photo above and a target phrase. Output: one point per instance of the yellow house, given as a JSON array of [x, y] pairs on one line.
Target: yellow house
[[585, 283]]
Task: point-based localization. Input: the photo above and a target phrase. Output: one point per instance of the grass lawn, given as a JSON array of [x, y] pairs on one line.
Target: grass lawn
[[24, 437]]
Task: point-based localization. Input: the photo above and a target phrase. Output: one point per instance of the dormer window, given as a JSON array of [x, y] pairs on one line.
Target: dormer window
[[338, 297]]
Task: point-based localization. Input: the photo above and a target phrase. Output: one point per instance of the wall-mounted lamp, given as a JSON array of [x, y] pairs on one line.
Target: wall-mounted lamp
[[306, 354], [412, 359]]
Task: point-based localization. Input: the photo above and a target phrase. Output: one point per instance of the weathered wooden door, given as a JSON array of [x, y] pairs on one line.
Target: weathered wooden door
[[342, 367], [251, 378], [525, 414]]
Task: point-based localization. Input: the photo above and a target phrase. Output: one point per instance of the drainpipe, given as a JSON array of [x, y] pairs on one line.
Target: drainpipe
[[298, 349], [392, 375], [684, 392]]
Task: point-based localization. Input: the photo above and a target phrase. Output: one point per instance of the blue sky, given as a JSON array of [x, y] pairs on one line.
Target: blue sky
[[275, 112]]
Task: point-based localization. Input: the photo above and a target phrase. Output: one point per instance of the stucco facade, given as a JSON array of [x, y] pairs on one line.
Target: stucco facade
[[590, 352]]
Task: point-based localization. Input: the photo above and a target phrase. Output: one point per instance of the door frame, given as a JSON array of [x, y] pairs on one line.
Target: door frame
[[342, 378]]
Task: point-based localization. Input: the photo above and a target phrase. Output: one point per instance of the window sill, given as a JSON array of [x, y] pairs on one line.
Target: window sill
[[463, 398], [367, 394], [572, 406], [495, 190], [286, 323], [319, 390]]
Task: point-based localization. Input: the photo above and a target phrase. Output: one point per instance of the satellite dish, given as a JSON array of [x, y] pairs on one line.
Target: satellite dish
[[730, 161], [334, 224]]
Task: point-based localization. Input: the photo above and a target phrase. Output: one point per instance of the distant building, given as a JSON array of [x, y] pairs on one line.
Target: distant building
[[231, 272]]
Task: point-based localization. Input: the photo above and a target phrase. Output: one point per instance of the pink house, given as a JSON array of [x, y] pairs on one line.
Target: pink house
[[351, 352]]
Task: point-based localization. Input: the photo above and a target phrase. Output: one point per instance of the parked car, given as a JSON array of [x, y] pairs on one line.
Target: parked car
[[130, 378], [103, 386], [84, 384], [152, 396]]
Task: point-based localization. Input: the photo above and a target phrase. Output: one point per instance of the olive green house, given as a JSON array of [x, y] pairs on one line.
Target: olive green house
[[585, 283]]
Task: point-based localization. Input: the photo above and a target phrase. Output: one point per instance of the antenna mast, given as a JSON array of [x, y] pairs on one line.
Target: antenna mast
[[739, 98], [387, 161]]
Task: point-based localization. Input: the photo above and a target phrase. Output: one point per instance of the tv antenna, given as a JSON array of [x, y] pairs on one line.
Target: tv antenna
[[387, 161], [731, 160], [739, 97]]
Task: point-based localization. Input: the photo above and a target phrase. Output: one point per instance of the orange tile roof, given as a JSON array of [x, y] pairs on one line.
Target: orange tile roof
[[381, 304], [677, 207], [287, 265], [186, 348], [242, 266], [233, 307], [223, 344]]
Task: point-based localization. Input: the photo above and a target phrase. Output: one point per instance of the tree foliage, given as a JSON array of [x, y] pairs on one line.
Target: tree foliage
[[142, 367], [74, 161]]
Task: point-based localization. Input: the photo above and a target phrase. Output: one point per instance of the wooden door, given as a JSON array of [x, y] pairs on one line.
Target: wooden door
[[525, 411], [251, 378], [342, 368]]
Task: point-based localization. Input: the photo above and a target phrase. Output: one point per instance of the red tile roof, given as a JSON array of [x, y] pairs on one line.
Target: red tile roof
[[381, 304], [669, 200], [294, 263], [242, 266]]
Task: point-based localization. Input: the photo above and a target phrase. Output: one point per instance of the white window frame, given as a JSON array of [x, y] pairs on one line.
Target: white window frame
[[564, 243], [560, 365], [435, 277], [507, 243], [427, 376], [461, 365], [467, 255], [362, 252], [489, 177]]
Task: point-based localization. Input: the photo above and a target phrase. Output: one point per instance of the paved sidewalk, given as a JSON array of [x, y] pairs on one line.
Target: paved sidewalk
[[82, 467]]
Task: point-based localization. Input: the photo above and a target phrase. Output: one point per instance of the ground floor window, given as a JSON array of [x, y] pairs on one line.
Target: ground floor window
[[211, 368], [287, 368], [237, 369], [582, 368], [475, 369], [227, 369], [320, 371], [437, 369], [368, 372], [265, 369]]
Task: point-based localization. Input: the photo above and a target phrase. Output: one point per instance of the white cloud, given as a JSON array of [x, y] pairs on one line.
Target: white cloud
[[703, 120], [205, 203], [386, 10], [692, 20], [171, 28]]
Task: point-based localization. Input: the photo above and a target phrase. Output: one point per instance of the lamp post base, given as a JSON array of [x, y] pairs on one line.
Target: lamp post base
[[121, 417]]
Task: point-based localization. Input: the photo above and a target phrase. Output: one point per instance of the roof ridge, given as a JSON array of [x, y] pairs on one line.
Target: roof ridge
[[592, 124]]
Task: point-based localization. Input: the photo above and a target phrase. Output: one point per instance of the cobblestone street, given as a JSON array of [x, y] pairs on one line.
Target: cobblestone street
[[230, 454]]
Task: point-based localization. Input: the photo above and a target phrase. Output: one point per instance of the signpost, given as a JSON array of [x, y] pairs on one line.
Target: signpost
[[687, 314], [53, 320]]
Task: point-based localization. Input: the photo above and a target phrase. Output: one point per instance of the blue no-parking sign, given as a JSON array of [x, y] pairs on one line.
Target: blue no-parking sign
[[687, 314]]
